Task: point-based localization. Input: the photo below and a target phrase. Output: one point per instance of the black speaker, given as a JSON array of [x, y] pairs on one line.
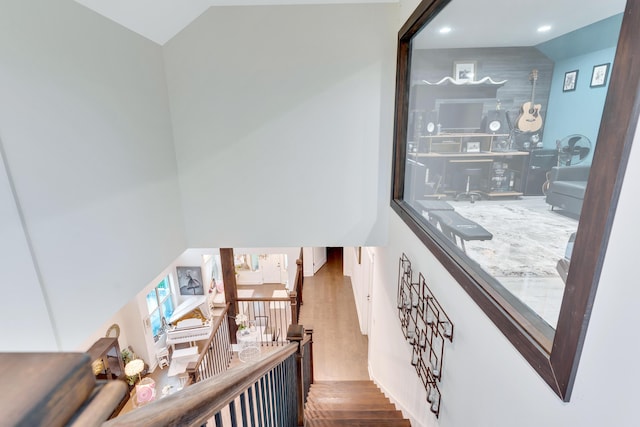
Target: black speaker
[[431, 127], [540, 162], [495, 122]]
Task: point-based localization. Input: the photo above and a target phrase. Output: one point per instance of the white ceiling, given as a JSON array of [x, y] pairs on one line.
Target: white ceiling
[[509, 23], [160, 20]]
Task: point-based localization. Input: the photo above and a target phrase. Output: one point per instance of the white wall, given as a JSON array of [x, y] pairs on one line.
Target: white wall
[[86, 133], [134, 331], [291, 253], [277, 109], [25, 313], [313, 260], [361, 273], [486, 382]]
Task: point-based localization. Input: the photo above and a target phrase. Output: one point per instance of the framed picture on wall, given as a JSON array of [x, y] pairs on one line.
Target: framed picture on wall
[[599, 75], [570, 80], [464, 71], [473, 147], [190, 280]]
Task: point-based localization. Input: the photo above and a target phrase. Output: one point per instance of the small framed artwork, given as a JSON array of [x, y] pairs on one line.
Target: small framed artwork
[[473, 147], [570, 80], [599, 75], [190, 280], [464, 71]]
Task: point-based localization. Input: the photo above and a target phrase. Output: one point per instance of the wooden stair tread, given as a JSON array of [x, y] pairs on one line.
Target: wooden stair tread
[[350, 403], [342, 414], [355, 397], [353, 406], [359, 423], [344, 384], [324, 391]]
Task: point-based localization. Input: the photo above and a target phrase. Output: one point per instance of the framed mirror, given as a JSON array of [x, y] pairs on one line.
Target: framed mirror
[[508, 160]]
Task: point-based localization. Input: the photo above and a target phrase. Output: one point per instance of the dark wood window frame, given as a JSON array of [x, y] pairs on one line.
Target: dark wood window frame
[[558, 364]]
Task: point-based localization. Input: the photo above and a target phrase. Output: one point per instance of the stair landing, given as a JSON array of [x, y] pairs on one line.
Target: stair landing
[[350, 403]]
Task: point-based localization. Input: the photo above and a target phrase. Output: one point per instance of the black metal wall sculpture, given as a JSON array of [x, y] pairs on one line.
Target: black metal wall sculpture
[[426, 326]]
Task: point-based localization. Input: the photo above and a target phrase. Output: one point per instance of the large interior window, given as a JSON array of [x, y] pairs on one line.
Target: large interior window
[[160, 306], [504, 166]]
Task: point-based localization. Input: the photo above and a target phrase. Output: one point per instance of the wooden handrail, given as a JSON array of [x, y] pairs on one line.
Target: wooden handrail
[[214, 331], [266, 299], [299, 280], [218, 321], [194, 405]]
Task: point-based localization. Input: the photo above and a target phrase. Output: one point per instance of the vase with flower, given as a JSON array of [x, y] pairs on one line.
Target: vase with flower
[[241, 321]]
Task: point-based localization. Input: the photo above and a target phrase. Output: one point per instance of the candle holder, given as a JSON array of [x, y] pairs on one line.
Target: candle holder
[[426, 327]]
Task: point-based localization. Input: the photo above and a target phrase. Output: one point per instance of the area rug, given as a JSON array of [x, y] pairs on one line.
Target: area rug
[[526, 242]]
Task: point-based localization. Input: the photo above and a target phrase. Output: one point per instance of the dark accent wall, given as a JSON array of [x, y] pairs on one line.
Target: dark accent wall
[[513, 64]]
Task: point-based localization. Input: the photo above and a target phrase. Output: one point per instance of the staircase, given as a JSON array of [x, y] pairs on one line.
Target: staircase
[[350, 403]]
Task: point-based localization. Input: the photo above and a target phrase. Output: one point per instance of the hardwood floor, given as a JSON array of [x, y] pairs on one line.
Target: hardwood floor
[[339, 349]]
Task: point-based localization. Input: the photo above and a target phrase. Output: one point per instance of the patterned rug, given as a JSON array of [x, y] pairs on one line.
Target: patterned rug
[[526, 242]]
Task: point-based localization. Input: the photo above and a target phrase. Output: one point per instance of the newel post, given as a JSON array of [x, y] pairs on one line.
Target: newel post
[[293, 297], [299, 278], [295, 333], [230, 289]]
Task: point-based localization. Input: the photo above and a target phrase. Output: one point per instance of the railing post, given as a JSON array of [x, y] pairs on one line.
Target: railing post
[[230, 289], [192, 372], [293, 297], [309, 331], [299, 278], [295, 333]]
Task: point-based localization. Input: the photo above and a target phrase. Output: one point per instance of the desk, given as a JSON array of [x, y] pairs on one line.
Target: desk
[[505, 171]]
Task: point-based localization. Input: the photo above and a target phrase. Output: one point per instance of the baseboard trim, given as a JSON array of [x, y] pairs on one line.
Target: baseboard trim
[[405, 412]]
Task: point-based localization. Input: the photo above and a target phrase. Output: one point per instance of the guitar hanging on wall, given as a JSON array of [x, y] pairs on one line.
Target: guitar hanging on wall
[[530, 119]]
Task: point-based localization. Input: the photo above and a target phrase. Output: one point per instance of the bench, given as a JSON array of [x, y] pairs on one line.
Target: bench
[[455, 226], [432, 205]]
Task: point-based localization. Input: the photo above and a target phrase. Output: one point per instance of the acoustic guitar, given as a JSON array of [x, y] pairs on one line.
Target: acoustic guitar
[[530, 119]]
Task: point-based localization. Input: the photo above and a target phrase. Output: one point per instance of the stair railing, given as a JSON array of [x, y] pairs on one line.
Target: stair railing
[[217, 353], [299, 282], [304, 365], [261, 393], [270, 315]]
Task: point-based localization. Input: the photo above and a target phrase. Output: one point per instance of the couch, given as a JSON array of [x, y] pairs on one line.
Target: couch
[[567, 185]]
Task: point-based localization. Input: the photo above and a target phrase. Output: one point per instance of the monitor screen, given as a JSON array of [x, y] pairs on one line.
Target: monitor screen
[[460, 116]]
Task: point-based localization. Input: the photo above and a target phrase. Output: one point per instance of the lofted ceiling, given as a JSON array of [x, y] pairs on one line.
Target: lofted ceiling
[[508, 23], [160, 20]]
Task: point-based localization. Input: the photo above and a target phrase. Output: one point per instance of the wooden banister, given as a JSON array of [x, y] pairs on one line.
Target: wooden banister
[[299, 280], [216, 354], [100, 407], [194, 405]]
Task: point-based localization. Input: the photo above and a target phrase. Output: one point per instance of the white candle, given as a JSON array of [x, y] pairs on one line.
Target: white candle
[[447, 329]]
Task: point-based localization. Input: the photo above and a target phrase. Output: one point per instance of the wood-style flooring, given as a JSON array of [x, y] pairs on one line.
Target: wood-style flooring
[[339, 349]]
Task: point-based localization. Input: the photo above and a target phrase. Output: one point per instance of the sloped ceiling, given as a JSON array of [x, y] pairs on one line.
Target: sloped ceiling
[[160, 20]]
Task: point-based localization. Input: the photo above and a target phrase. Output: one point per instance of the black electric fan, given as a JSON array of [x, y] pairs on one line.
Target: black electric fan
[[573, 150]]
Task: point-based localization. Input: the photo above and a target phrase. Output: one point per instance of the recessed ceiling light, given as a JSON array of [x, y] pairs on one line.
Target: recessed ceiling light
[[445, 30], [544, 28]]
